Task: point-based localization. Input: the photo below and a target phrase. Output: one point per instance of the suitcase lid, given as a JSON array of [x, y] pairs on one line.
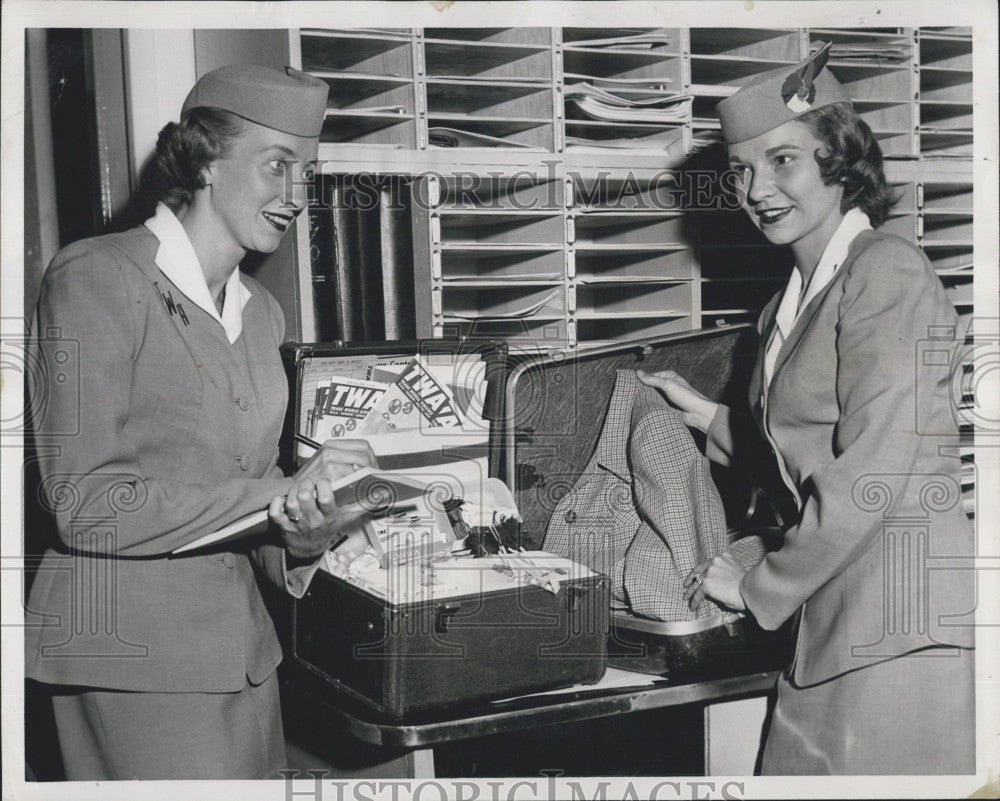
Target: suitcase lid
[[297, 357], [556, 404]]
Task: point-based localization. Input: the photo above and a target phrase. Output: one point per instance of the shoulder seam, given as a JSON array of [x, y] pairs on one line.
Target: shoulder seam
[[274, 310]]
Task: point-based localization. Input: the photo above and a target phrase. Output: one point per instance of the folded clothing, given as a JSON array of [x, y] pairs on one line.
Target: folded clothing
[[645, 510]]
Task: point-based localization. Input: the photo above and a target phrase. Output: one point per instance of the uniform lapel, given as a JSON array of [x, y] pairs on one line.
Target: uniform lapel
[[768, 324], [805, 318], [169, 298]]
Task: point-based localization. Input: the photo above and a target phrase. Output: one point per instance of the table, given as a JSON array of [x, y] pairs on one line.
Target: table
[[731, 728]]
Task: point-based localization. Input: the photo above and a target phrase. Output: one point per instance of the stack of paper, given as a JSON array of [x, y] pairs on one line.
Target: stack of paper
[[528, 309], [705, 139], [645, 105], [960, 264], [650, 84], [968, 478], [877, 51], [670, 139], [441, 136], [460, 575], [629, 39]]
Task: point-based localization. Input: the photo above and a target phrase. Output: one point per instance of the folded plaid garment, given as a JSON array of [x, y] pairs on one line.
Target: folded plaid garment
[[645, 510]]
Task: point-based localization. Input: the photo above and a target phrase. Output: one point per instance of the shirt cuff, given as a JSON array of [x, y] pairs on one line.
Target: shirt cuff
[[298, 573]]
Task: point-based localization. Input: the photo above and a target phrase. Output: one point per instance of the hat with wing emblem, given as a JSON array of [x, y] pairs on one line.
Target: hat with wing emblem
[[777, 96]]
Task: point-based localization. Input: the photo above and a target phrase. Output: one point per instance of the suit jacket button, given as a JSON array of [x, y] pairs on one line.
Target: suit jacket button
[[244, 402], [570, 516], [229, 560], [245, 463]]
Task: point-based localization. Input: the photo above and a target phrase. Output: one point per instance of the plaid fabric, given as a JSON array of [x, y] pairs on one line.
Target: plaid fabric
[[595, 522], [645, 510]]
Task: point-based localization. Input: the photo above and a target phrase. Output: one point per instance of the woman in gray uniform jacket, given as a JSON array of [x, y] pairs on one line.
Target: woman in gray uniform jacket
[[163, 666], [879, 562]]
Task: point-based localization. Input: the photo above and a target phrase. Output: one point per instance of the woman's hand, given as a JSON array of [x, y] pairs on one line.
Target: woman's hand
[[310, 519], [718, 579], [696, 410], [308, 515], [338, 458]]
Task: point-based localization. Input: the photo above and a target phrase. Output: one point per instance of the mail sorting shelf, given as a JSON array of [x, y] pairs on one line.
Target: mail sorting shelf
[[497, 260], [945, 98], [604, 301], [611, 59], [506, 86], [513, 258], [876, 68], [629, 266], [903, 219], [372, 98], [945, 234], [493, 85]]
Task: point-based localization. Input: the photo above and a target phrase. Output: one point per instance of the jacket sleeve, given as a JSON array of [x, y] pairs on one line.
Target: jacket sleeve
[[730, 435], [889, 297], [85, 293], [733, 436], [270, 555]]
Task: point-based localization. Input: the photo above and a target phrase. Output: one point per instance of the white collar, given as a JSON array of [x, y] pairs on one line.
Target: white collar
[[854, 222], [177, 261]]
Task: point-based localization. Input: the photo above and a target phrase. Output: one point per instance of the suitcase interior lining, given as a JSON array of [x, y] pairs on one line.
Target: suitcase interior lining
[[558, 409]]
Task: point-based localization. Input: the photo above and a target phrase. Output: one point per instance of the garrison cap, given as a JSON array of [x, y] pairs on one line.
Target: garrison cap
[[777, 96], [286, 100]]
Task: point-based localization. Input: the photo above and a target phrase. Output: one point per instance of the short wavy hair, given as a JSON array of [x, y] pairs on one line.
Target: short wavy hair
[[184, 149], [853, 158]]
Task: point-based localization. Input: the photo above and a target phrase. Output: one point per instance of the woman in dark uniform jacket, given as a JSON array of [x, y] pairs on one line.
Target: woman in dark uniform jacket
[[163, 666], [882, 678]]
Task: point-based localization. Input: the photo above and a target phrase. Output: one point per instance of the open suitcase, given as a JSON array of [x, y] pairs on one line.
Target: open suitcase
[[555, 408], [545, 412], [403, 658]]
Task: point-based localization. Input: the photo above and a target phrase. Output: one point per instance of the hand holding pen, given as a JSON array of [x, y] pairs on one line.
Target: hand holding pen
[[308, 516]]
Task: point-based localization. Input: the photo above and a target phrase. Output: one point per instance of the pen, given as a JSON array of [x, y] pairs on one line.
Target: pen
[[308, 441], [317, 445]]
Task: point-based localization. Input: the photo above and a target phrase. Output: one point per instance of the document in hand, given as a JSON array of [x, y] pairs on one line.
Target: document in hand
[[444, 466]]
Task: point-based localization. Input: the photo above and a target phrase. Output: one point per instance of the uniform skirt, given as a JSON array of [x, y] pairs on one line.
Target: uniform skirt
[[106, 735], [911, 715]]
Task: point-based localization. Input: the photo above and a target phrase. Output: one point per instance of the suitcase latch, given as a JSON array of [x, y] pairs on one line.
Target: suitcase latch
[[445, 613], [573, 597], [733, 625]]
